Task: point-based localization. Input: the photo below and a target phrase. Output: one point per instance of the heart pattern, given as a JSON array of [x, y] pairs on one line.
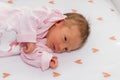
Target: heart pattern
[[113, 38], [56, 74], [79, 61], [10, 1], [100, 19], [106, 75], [5, 75], [90, 1], [95, 50], [52, 2]]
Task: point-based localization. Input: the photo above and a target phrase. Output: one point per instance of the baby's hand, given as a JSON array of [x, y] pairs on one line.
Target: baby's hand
[[54, 62], [29, 47]]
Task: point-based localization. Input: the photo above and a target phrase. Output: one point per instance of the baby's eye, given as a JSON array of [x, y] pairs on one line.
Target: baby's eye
[[65, 38]]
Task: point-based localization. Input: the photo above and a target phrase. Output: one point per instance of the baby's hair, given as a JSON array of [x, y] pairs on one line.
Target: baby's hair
[[81, 22]]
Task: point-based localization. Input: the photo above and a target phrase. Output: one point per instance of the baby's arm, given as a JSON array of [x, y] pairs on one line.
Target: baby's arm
[[29, 47], [40, 59]]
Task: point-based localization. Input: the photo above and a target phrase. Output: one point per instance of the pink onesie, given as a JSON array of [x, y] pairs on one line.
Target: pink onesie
[[19, 25]]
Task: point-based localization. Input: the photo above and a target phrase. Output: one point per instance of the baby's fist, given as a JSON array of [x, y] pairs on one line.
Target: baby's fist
[[54, 62]]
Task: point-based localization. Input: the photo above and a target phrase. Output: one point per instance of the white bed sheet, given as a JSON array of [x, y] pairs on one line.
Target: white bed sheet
[[97, 60]]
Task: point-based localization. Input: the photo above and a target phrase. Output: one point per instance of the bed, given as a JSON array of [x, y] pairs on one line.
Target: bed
[[98, 59]]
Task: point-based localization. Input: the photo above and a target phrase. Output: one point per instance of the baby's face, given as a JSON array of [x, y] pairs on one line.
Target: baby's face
[[61, 38]]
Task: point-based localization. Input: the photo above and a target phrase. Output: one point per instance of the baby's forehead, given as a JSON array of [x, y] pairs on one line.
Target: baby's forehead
[[75, 34]]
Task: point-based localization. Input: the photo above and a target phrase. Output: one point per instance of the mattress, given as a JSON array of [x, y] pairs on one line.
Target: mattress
[[98, 59]]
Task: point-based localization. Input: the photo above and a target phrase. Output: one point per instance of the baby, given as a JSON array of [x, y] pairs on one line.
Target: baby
[[40, 32]]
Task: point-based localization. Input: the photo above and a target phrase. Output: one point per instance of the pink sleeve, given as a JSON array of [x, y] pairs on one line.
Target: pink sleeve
[[45, 60], [37, 59]]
